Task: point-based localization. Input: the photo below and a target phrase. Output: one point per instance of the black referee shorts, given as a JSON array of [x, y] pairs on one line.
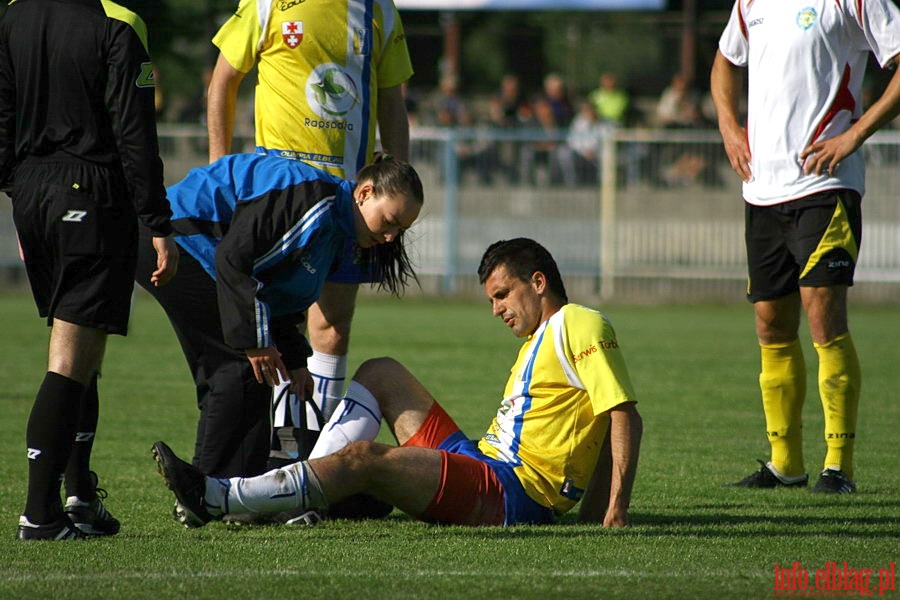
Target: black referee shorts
[[809, 242], [78, 232]]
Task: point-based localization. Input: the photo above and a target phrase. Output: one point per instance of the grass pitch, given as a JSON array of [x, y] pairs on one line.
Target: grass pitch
[[695, 372]]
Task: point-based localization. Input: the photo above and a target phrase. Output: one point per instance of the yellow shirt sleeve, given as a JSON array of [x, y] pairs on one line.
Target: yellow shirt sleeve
[[395, 66], [593, 354], [239, 37]]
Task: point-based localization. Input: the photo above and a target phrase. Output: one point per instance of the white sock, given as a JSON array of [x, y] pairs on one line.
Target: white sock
[[357, 418], [328, 372], [288, 488]]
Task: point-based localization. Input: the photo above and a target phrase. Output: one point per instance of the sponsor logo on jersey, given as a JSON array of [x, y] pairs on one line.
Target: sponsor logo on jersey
[[33, 453], [74, 216], [754, 23], [806, 18], [594, 348], [331, 92], [292, 33], [286, 4], [147, 78]]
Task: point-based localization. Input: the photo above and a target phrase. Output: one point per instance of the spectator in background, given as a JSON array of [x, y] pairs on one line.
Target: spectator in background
[[611, 102], [505, 111], [537, 159], [472, 151], [578, 160], [556, 97], [449, 108], [679, 105], [679, 108], [508, 100]]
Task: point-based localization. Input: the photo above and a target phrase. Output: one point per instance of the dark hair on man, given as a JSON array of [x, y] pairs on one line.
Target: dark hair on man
[[389, 263], [522, 258]]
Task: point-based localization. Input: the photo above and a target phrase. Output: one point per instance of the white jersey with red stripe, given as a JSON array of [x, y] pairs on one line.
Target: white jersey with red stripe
[[806, 60]]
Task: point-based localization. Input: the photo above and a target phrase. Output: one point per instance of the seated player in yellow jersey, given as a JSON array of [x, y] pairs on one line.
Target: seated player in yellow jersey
[[566, 431]]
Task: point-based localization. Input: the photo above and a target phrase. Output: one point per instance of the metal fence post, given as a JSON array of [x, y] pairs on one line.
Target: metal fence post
[[451, 212], [607, 228]]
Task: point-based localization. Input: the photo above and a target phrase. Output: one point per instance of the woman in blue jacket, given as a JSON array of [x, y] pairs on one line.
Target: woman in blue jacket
[[259, 235]]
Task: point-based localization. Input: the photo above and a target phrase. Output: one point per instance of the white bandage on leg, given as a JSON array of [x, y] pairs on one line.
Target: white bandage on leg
[[357, 418]]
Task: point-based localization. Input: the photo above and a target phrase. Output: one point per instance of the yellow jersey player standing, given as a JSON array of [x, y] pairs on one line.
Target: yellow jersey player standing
[[328, 72]]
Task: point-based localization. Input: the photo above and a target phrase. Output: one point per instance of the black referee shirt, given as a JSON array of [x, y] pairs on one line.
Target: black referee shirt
[[76, 83]]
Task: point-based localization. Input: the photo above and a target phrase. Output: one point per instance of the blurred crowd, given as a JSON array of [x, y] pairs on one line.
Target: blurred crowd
[[545, 136], [565, 132]]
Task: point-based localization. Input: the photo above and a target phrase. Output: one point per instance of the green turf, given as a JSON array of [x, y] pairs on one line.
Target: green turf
[[695, 372]]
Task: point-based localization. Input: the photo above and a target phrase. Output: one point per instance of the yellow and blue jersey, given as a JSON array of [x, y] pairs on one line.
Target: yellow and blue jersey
[[554, 414], [320, 65]]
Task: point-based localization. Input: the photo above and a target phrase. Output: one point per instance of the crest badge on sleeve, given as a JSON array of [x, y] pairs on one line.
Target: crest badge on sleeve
[[292, 33]]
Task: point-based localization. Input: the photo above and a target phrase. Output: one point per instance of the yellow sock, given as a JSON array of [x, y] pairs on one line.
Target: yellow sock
[[840, 379], [783, 385]]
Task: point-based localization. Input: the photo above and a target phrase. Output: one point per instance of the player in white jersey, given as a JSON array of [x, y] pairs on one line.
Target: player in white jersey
[[803, 182]]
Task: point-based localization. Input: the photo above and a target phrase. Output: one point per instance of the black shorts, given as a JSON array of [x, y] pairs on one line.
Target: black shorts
[[810, 242], [78, 231]]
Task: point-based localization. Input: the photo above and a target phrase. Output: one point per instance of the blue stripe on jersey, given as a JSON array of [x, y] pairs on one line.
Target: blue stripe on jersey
[[527, 376], [296, 236], [366, 88]]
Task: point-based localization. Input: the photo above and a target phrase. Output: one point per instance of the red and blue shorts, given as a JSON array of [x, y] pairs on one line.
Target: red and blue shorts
[[475, 489]]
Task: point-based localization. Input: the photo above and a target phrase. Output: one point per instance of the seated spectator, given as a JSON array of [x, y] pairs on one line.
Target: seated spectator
[[537, 157], [504, 113], [679, 108], [556, 97], [679, 105], [578, 160], [507, 101], [449, 108], [472, 151]]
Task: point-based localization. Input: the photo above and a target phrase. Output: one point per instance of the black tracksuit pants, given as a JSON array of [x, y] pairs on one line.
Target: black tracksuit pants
[[234, 430]]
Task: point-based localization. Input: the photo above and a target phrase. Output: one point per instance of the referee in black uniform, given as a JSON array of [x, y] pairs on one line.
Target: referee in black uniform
[[79, 156]]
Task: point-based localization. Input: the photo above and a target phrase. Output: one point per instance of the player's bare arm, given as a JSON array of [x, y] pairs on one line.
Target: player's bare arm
[[221, 100], [726, 83], [596, 497], [825, 155], [625, 430], [393, 122]]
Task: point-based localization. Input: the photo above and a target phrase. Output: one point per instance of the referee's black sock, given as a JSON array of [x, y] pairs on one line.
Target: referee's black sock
[[51, 430], [78, 470]]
